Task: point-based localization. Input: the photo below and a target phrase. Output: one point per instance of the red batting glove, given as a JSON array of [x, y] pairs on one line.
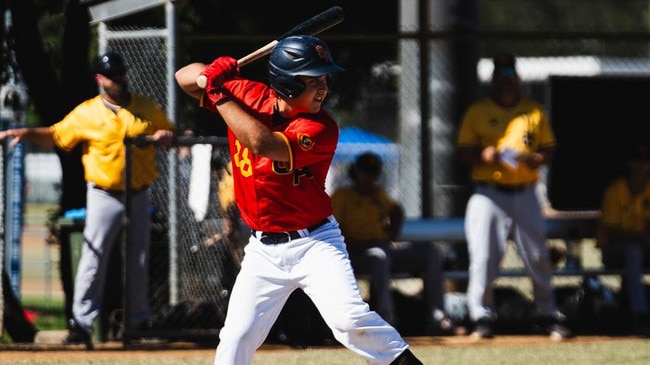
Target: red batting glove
[[212, 97], [222, 69]]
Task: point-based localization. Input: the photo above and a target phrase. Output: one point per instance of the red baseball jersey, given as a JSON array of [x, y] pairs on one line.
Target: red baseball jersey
[[278, 196]]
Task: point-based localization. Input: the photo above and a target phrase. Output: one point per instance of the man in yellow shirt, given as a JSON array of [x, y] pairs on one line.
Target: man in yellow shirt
[[624, 232], [505, 138], [100, 125], [371, 221]]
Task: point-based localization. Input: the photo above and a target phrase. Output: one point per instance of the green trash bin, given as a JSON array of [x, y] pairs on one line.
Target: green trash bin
[[73, 229]]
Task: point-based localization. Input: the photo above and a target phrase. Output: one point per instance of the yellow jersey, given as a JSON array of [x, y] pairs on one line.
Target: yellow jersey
[[102, 133], [363, 218], [620, 209], [521, 128]]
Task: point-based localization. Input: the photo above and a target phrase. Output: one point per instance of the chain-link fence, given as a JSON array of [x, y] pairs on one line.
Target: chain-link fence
[[197, 239]]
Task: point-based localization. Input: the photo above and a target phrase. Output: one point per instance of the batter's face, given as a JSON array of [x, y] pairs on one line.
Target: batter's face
[[311, 100]]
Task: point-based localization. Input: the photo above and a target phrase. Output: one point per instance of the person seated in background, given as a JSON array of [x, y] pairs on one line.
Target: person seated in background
[[624, 232], [371, 221]]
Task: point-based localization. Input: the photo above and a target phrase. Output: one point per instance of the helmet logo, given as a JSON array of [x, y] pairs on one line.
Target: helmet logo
[[305, 142], [323, 53]]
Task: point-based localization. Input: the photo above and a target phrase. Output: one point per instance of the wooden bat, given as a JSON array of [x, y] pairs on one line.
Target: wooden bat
[[312, 26]]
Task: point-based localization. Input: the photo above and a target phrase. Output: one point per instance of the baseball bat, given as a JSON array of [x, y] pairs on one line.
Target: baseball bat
[[312, 26]]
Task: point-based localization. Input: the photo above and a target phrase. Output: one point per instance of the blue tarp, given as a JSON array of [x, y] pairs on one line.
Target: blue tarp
[[354, 141], [357, 135]]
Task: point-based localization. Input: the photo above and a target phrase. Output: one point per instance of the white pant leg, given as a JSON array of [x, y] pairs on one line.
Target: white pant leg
[[328, 279], [529, 235], [486, 229], [102, 226], [137, 295], [261, 288]]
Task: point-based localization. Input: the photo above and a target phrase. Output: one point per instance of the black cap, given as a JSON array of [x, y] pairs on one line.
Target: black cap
[[110, 64], [504, 65]]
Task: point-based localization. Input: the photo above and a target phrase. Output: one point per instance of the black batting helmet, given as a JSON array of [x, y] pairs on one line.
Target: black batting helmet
[[110, 64], [299, 56]]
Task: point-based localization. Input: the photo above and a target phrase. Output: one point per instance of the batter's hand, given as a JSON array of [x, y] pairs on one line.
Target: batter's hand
[[222, 69]]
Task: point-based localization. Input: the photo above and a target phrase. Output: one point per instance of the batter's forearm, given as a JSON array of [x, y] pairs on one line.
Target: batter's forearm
[[252, 133], [186, 79]]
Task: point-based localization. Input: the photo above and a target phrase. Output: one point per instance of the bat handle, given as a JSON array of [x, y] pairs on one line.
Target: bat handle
[[202, 80]]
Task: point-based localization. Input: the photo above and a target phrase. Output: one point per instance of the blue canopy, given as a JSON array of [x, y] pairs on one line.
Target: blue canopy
[[352, 142], [359, 135]]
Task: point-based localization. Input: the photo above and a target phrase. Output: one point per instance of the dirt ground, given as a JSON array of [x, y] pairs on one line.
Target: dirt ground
[[116, 350]]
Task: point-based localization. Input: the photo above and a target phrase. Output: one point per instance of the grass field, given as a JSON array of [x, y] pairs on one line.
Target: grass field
[[613, 352]]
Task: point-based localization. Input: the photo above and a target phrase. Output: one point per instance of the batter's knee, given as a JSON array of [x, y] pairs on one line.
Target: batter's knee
[[355, 322], [239, 338]]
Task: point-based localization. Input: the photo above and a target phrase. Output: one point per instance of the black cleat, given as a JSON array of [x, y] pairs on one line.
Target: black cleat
[[553, 327], [77, 336], [482, 329], [406, 358], [559, 332]]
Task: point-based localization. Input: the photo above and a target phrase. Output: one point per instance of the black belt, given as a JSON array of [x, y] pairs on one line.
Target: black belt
[[508, 189], [273, 238]]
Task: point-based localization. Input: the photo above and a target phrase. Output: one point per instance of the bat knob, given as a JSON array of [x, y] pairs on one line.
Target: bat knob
[[201, 81]]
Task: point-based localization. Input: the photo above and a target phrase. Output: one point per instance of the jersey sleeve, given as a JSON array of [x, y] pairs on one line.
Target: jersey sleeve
[[609, 214], [159, 118], [546, 134], [68, 132], [388, 202], [312, 141], [467, 136]]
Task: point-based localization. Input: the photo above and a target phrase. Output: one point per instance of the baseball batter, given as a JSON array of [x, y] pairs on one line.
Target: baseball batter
[[101, 124], [506, 138], [282, 143]]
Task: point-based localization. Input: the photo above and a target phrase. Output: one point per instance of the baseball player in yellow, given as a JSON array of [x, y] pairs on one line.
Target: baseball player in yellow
[[100, 125], [505, 138], [371, 220], [624, 232]]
